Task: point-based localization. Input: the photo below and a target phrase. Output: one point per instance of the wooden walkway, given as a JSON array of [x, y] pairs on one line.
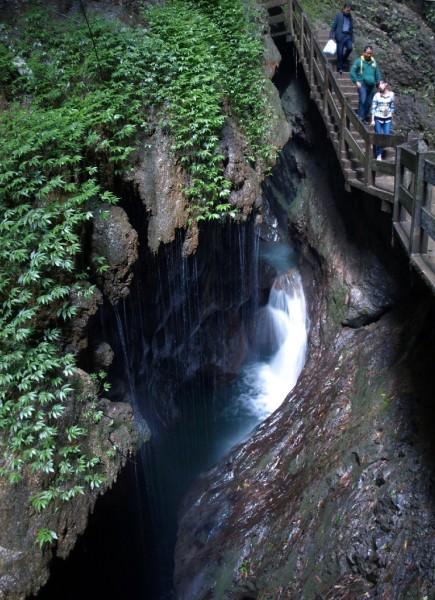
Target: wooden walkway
[[405, 180]]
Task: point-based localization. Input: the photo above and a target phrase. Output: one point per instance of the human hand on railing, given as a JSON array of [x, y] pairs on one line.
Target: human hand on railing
[[372, 123]]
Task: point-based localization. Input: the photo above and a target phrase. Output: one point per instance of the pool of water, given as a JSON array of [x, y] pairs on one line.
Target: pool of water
[[127, 551]]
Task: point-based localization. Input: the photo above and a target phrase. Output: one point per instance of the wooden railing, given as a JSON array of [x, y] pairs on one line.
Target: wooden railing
[[408, 176], [353, 141], [414, 206]]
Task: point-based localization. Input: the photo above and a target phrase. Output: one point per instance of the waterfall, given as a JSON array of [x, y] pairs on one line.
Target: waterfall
[[282, 334]]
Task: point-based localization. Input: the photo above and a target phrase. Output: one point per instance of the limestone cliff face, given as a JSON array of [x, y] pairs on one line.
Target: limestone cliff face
[[161, 181], [24, 568], [114, 240], [332, 497]]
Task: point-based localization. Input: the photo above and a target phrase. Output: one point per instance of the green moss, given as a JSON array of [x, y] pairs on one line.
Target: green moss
[[369, 393], [301, 202], [77, 110], [224, 575], [264, 461], [337, 304]]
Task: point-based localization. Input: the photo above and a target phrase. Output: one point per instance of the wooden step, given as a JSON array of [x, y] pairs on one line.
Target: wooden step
[[354, 173]]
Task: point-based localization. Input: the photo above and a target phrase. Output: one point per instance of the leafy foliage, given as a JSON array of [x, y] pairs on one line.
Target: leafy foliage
[[45, 536], [73, 121], [211, 65]]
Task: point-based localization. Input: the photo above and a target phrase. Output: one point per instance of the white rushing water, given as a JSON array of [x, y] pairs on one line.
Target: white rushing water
[[283, 328]]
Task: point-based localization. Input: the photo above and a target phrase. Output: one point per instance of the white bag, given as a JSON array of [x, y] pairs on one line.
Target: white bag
[[330, 48]]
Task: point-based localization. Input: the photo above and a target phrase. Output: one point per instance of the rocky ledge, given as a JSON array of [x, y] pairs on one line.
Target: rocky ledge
[[332, 497], [24, 567]]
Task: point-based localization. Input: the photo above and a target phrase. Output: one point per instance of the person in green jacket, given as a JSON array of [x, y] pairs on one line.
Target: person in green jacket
[[366, 75]]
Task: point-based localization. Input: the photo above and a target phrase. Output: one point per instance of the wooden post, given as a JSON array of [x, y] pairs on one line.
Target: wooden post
[[290, 16], [325, 90], [415, 233], [342, 129], [311, 75], [397, 184], [301, 47], [368, 175]]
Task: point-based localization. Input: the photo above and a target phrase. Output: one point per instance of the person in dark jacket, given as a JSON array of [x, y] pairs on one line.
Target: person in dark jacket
[[366, 75], [342, 33]]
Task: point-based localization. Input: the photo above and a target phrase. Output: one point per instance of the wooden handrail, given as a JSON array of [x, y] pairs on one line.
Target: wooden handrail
[[413, 168]]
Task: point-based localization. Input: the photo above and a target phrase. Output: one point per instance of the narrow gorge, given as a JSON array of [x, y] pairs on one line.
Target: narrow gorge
[[254, 374]]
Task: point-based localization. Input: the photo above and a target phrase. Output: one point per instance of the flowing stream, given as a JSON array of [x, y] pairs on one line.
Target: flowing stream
[[282, 329], [214, 418], [128, 549]]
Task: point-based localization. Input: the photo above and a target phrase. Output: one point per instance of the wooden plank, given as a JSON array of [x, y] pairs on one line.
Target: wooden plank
[[297, 6], [428, 222], [406, 199], [415, 236], [302, 23], [397, 184], [372, 190], [325, 87], [307, 45], [342, 128], [333, 107], [368, 173], [388, 141], [338, 91], [384, 195], [318, 75], [311, 60], [429, 171], [290, 16], [402, 235], [386, 168], [355, 121], [425, 269], [349, 139], [408, 159]]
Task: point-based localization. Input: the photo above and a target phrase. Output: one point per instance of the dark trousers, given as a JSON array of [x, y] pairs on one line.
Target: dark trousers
[[344, 48], [365, 96]]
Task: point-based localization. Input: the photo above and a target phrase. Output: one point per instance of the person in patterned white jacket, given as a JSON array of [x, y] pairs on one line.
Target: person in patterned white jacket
[[383, 108]]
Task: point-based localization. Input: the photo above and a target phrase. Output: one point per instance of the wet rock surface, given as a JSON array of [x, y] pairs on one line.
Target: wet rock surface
[[114, 240], [161, 183], [24, 567], [333, 496], [86, 307]]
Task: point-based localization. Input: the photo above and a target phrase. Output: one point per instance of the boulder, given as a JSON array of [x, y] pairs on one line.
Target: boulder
[[115, 240]]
